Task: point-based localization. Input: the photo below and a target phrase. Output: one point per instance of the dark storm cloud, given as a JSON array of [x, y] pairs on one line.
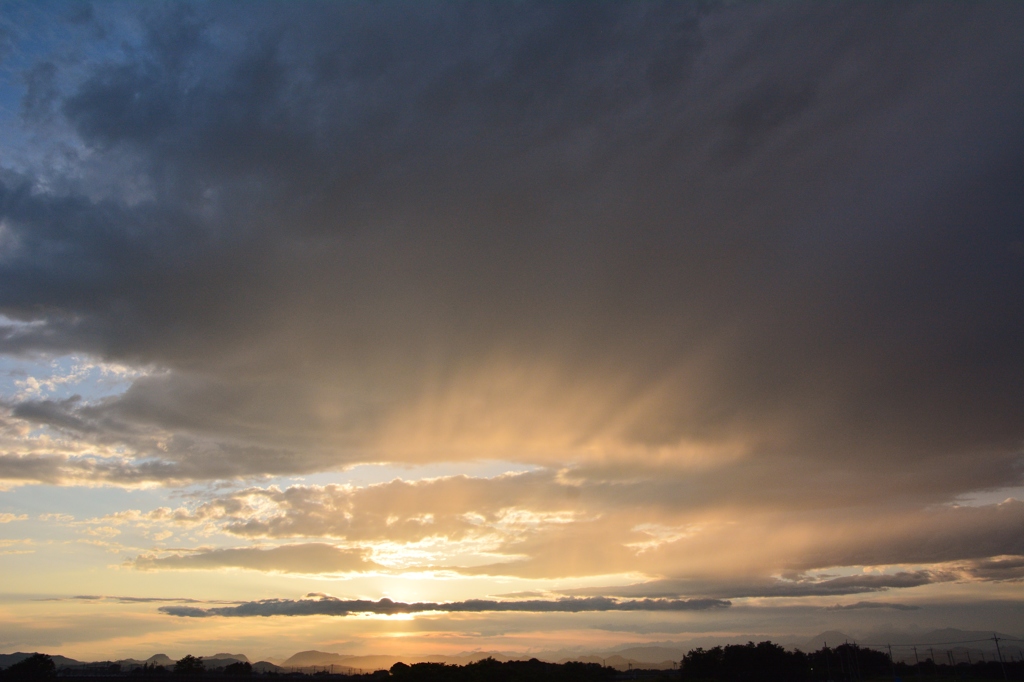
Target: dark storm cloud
[[40, 92], [330, 606], [817, 205], [761, 254], [59, 414]]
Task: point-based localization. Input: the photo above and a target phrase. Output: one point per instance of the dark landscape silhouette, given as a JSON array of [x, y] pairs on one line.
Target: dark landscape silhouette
[[762, 662]]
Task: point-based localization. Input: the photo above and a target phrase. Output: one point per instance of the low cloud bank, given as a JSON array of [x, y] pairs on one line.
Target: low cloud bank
[[303, 558], [873, 605], [136, 600], [804, 587], [330, 606]]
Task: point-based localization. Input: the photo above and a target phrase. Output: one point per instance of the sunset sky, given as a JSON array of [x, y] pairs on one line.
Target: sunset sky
[[574, 323]]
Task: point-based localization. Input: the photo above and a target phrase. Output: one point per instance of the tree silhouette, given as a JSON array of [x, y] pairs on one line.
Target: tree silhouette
[[490, 670], [149, 670], [35, 667], [239, 669], [769, 662], [189, 665], [764, 662]]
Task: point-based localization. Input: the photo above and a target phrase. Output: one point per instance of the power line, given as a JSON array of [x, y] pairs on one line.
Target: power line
[[963, 641]]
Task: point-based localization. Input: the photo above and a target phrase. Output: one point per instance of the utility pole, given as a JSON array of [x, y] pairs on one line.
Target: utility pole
[[917, 663], [828, 664], [892, 664], [999, 652]]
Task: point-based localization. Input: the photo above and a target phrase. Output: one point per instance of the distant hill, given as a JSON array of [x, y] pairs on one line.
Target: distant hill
[[310, 661], [306, 660], [7, 660], [313, 658], [371, 663], [222, 657], [223, 660], [653, 654], [945, 635], [620, 662], [662, 655], [464, 658], [215, 662], [833, 637], [155, 659]]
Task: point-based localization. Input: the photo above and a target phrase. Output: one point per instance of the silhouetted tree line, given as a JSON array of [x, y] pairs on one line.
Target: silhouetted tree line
[[490, 670], [192, 667], [768, 662], [41, 666], [764, 662]]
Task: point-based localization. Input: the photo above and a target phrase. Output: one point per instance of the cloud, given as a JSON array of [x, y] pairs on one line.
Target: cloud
[[330, 606], [7, 517], [872, 605], [532, 525], [306, 558], [742, 283], [87, 470], [135, 600], [454, 507], [654, 249], [855, 584], [727, 549], [996, 568], [800, 586]]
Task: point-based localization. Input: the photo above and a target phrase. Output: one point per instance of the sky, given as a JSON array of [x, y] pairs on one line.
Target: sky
[[553, 324]]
